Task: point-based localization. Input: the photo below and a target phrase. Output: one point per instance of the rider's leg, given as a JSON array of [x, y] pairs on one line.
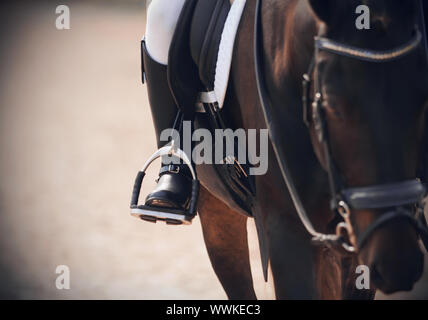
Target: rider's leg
[[162, 16], [174, 185]]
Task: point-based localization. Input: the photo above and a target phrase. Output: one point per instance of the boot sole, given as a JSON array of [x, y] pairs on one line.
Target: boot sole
[[169, 216]]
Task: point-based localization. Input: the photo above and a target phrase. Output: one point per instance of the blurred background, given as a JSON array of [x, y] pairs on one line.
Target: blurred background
[[75, 127]]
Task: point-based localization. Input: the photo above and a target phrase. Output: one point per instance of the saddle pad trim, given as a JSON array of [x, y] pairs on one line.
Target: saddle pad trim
[[225, 54]]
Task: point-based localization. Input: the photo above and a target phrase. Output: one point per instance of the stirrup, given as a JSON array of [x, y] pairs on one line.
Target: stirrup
[[170, 216]]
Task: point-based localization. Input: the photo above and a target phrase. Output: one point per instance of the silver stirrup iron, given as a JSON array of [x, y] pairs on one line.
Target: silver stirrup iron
[[168, 215]]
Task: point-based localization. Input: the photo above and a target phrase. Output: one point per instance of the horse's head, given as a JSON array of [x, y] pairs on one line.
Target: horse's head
[[374, 118]]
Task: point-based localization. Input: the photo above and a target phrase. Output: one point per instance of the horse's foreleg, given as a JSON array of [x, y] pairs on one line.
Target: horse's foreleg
[[291, 264], [337, 277], [225, 234]]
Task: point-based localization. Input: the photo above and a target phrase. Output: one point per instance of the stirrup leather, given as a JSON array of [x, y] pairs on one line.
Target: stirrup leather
[[168, 215]]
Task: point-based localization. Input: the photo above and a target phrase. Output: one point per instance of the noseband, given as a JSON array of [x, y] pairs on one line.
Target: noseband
[[396, 196]]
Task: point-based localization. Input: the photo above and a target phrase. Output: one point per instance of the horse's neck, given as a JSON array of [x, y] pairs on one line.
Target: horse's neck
[[289, 49], [288, 60]]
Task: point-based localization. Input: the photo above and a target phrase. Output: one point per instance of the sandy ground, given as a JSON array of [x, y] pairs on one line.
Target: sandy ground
[[74, 129]]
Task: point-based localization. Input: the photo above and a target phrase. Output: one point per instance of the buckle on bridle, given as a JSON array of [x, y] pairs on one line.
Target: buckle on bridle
[[306, 84], [345, 212], [343, 209], [317, 117]]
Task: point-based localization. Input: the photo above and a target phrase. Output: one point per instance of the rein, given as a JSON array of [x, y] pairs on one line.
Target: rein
[[344, 200]]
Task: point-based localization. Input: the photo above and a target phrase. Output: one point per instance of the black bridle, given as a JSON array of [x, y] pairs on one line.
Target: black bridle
[[343, 200]]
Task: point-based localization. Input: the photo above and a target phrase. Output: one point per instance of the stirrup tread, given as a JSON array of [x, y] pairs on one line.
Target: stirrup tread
[[169, 216]]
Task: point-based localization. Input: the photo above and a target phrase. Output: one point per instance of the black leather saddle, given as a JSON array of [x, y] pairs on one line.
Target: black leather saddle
[[193, 52]]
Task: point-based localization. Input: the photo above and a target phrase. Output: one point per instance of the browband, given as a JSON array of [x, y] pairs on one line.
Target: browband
[[366, 54]]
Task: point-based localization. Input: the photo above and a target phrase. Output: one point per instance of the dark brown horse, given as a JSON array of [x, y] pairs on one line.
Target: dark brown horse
[[375, 121]]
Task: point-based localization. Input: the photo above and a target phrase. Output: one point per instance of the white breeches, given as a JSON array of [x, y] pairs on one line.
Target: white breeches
[[162, 17]]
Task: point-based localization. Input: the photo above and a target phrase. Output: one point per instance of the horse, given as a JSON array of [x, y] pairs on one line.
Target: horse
[[374, 114]]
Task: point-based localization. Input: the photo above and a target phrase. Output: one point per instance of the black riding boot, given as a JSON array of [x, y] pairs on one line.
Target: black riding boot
[[174, 187]]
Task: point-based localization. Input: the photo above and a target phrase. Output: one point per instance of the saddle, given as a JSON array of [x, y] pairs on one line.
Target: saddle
[[199, 64]]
